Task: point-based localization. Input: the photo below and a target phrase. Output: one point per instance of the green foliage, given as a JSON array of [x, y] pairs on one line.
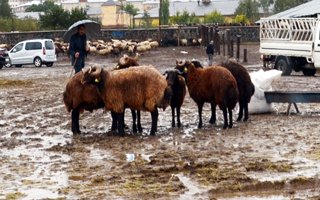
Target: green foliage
[[265, 5], [214, 17], [5, 10], [164, 12], [132, 11], [44, 7], [27, 24], [249, 8], [58, 18], [241, 19], [281, 5], [76, 15], [146, 20], [185, 18]]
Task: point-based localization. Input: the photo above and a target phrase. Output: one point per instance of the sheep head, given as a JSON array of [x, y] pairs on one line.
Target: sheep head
[[92, 75], [196, 63], [172, 76], [125, 62], [183, 66]]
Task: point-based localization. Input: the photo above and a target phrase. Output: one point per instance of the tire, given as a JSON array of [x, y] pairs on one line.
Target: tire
[[283, 66], [309, 72], [1, 65], [37, 62], [8, 65], [18, 66], [49, 64]]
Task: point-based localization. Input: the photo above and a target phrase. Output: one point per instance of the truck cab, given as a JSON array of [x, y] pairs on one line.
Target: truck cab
[[291, 44]]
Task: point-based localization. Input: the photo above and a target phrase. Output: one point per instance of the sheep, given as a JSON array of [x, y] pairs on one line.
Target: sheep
[[78, 97], [245, 86], [178, 87], [215, 85], [139, 88], [125, 62], [183, 42]]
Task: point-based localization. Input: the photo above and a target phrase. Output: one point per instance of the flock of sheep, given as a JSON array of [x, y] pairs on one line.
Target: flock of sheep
[[144, 88], [113, 47]]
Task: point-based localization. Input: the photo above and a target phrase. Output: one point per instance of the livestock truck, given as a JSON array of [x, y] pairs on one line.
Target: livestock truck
[[291, 44]]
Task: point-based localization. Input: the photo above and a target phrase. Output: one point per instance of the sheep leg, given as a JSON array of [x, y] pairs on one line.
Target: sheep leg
[[241, 107], [75, 121], [246, 112], [200, 105], [114, 125], [225, 117], [213, 114], [120, 119], [173, 123], [230, 118], [134, 119], [154, 116], [178, 116], [139, 121]]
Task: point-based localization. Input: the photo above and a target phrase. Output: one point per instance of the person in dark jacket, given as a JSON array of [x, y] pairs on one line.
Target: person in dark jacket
[[78, 48], [210, 52]]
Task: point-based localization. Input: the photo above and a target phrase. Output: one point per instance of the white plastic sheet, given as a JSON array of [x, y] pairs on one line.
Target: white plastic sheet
[[262, 81]]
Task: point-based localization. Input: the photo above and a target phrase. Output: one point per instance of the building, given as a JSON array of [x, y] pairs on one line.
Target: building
[[113, 16], [199, 8]]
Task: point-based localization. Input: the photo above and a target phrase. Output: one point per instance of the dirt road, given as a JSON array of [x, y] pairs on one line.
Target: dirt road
[[272, 156]]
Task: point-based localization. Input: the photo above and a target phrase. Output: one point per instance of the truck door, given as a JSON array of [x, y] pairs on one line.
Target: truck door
[[316, 52]]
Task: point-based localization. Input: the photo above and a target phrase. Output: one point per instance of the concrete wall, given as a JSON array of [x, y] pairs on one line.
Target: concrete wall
[[248, 34]]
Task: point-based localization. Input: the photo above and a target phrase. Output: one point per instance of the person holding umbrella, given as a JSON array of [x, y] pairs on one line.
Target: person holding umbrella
[[78, 48]]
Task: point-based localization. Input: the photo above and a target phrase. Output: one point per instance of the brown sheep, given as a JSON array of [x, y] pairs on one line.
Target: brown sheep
[[78, 97], [178, 87], [125, 62], [139, 88], [245, 85], [215, 85]]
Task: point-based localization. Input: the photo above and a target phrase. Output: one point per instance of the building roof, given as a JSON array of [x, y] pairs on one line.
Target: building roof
[[111, 3], [33, 15], [224, 7], [309, 9], [94, 11]]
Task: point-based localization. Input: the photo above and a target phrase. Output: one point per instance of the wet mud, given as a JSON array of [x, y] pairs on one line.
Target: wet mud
[[272, 156]]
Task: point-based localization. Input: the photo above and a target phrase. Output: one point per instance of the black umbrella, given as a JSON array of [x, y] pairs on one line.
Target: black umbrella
[[93, 29]]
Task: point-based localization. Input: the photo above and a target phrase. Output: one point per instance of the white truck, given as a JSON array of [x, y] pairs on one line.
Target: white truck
[[291, 44]]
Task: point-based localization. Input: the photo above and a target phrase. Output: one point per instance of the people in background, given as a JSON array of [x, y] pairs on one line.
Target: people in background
[[210, 52], [78, 48]]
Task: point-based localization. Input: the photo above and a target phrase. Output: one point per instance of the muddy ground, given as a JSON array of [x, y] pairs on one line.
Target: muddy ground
[[272, 156]]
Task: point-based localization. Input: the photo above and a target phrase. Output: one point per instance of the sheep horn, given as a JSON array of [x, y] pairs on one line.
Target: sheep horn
[[97, 71], [90, 69], [166, 72], [181, 63]]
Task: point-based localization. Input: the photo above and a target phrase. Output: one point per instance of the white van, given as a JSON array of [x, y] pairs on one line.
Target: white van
[[37, 52]]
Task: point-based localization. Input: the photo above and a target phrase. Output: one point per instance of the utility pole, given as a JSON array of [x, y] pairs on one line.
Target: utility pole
[[160, 12]]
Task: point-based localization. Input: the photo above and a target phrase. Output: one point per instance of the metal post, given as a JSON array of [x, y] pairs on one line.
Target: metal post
[[245, 59], [238, 47]]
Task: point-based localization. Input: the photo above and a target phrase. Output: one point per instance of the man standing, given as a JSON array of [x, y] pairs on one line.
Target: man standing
[[210, 52], [78, 48]]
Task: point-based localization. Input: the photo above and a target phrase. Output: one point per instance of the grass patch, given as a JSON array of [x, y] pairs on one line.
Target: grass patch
[[15, 83]]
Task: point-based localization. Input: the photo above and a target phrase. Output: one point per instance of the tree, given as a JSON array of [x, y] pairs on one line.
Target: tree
[[132, 11], [281, 5], [5, 10], [185, 18], [146, 20], [249, 8], [55, 18], [265, 5], [44, 7], [214, 17], [164, 12], [77, 14]]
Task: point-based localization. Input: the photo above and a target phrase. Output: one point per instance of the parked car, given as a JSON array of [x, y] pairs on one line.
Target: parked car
[[3, 57], [37, 52]]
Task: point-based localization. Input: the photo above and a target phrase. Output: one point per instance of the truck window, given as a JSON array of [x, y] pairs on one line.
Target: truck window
[[33, 46], [48, 45]]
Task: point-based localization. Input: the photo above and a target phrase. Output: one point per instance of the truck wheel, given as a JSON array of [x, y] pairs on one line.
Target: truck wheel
[[283, 66], [18, 65], [1, 65], [309, 72]]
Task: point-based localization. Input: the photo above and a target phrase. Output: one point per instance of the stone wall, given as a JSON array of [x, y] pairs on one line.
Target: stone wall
[[170, 35]]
